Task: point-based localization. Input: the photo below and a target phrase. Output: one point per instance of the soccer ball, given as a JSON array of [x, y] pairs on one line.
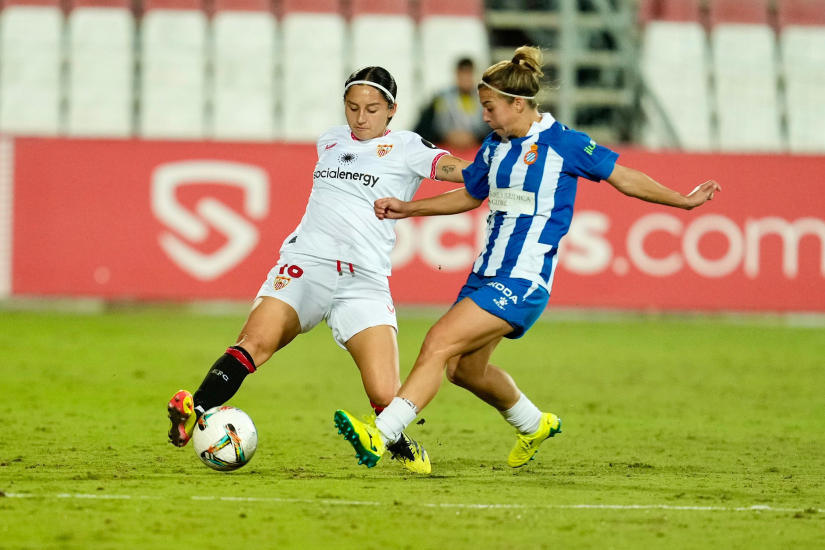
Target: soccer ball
[[225, 438]]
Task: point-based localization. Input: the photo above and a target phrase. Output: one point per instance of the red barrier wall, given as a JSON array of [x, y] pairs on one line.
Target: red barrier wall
[[163, 220]]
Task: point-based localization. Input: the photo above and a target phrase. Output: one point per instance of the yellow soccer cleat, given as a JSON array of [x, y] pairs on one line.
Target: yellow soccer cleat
[[364, 438], [411, 455], [182, 418], [528, 445]]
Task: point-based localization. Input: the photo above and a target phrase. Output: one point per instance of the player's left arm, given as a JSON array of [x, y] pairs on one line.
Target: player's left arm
[[634, 183], [449, 168]]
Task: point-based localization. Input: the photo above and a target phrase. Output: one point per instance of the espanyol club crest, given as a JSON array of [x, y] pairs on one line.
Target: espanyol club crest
[[383, 150], [280, 282], [532, 155]]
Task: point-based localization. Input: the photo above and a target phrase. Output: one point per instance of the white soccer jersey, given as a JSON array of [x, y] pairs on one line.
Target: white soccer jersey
[[340, 222]]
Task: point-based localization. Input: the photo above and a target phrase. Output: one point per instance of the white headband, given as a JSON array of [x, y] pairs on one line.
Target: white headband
[[505, 93], [374, 85]]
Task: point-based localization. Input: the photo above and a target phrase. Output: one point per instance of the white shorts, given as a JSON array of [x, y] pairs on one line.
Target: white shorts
[[347, 298]]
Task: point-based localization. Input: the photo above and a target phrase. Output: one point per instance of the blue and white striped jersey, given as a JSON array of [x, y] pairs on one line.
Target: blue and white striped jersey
[[531, 186]]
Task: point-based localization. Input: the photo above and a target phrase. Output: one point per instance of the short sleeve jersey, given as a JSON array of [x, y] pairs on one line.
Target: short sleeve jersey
[[350, 175], [531, 185]]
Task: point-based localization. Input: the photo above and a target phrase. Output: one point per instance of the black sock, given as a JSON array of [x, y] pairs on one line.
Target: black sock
[[224, 379]]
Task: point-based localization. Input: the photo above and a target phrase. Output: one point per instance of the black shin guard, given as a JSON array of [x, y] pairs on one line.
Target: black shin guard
[[224, 379]]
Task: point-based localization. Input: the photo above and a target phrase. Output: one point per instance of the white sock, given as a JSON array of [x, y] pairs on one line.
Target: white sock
[[523, 416], [395, 418]]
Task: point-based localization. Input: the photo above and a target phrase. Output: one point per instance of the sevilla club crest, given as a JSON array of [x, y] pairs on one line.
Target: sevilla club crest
[[280, 282], [383, 150]]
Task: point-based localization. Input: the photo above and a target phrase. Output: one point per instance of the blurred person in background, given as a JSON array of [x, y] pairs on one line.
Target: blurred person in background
[[529, 169], [335, 266], [454, 118]]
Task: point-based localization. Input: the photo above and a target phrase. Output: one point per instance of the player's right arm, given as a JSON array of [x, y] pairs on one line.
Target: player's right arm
[[452, 202]]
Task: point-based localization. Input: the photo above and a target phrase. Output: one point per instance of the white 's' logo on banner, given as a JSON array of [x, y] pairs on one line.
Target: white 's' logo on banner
[[242, 236]]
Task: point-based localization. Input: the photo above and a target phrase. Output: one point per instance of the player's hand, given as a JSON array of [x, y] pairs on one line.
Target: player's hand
[[702, 194], [391, 209]]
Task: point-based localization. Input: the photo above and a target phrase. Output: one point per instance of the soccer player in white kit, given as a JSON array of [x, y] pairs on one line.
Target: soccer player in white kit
[[334, 266], [528, 168]]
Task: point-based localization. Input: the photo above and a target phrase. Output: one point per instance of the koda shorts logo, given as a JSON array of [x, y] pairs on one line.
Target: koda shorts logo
[[508, 294], [532, 155], [382, 150]]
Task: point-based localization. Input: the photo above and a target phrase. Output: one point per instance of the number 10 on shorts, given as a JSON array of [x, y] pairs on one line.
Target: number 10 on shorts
[[291, 270]]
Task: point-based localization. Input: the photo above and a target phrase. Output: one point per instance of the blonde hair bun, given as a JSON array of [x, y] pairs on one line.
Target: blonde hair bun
[[529, 57]]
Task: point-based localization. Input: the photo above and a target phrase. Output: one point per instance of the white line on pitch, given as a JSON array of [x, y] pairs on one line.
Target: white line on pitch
[[754, 508]]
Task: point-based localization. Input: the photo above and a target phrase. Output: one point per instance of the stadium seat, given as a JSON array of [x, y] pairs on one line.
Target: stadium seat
[[450, 31], [313, 70], [384, 34], [675, 69], [173, 85], [30, 67], [754, 12], [747, 102], [803, 61], [244, 38], [101, 36], [801, 12]]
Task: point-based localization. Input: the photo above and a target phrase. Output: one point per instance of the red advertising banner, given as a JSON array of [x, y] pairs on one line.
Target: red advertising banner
[[180, 221]]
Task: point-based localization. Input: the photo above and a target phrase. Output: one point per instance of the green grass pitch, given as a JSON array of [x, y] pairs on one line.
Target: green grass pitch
[[690, 420]]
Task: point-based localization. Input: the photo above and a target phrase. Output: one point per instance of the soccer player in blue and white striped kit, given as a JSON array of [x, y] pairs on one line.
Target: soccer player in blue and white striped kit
[[528, 168]]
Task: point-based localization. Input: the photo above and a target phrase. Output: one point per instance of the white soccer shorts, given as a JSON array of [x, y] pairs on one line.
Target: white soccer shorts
[[347, 298]]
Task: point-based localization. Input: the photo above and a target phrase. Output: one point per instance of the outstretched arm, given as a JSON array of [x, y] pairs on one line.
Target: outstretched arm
[[638, 184], [449, 169], [452, 202]]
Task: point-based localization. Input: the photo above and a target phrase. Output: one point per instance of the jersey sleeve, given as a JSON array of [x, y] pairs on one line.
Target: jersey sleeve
[[583, 157], [421, 155], [476, 176]]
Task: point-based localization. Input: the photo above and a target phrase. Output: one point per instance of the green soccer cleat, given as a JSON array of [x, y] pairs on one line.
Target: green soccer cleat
[[364, 438], [411, 455], [528, 445]]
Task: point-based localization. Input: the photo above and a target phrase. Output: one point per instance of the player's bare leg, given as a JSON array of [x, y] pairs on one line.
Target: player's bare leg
[[375, 352], [464, 329], [471, 334], [496, 387], [473, 372], [271, 325]]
